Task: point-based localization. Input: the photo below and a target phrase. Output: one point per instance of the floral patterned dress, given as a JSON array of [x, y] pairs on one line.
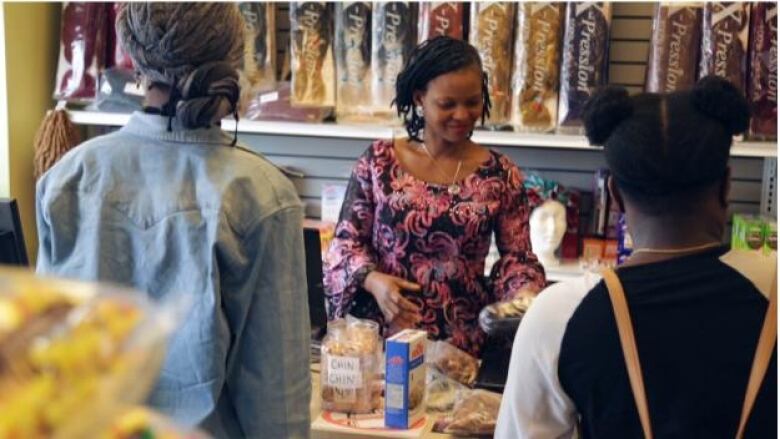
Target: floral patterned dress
[[400, 225]]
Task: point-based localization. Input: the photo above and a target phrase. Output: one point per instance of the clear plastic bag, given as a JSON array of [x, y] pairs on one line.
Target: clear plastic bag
[[475, 414], [353, 62], [276, 105], [259, 64], [537, 59], [441, 391], [492, 28], [73, 354], [452, 362], [351, 358], [82, 50], [503, 318], [311, 54]]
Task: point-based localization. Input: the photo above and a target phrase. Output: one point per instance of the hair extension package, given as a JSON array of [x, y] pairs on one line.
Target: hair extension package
[[537, 63], [585, 60], [762, 87], [393, 39], [353, 62], [311, 41], [259, 44], [725, 41], [492, 28], [82, 50], [441, 18], [674, 47]]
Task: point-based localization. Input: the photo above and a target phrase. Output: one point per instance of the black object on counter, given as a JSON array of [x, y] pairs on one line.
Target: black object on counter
[[494, 369]]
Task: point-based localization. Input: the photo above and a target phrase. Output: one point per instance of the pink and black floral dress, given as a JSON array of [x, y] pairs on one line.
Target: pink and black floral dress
[[400, 225]]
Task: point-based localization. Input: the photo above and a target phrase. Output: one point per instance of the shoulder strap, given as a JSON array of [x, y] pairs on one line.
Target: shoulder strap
[[628, 343], [766, 344]]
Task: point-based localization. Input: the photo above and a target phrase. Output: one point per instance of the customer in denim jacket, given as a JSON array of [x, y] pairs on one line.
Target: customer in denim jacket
[[170, 205]]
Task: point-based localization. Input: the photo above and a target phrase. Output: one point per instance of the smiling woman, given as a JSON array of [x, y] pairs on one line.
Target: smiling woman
[[415, 227]]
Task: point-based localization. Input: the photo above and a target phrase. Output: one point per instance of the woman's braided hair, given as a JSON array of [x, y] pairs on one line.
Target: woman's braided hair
[[433, 58]]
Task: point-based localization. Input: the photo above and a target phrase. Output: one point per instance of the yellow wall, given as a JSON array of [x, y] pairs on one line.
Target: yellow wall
[[31, 50]]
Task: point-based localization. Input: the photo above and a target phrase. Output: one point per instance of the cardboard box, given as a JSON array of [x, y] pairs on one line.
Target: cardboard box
[[405, 379]]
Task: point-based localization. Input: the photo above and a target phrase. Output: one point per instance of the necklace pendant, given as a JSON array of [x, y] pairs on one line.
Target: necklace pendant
[[453, 189]]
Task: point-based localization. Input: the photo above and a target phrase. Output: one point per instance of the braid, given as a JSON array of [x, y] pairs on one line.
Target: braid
[[433, 58]]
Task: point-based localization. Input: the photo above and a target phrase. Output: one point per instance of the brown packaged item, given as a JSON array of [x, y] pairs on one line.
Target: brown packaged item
[[452, 362], [584, 64], [725, 41], [394, 37], [674, 47], [475, 414], [353, 61], [311, 37], [351, 356], [537, 63], [492, 28], [259, 44], [762, 87], [441, 18]]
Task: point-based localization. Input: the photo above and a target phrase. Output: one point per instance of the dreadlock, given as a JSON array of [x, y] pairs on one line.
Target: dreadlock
[[433, 58]]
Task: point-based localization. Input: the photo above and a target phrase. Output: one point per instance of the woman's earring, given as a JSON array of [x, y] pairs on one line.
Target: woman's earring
[[418, 110]]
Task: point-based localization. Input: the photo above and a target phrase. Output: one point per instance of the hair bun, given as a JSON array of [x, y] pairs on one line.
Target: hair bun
[[719, 99], [604, 111], [208, 93]]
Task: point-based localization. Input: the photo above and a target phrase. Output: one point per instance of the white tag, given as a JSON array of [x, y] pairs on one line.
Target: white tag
[[332, 199], [344, 372], [269, 97], [134, 89]]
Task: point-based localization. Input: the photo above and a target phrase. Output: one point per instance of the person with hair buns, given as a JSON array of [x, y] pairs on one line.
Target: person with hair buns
[[172, 206], [415, 227], [664, 345]]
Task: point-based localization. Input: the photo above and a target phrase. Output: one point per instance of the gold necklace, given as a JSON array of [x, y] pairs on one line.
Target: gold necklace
[[671, 251], [453, 188]]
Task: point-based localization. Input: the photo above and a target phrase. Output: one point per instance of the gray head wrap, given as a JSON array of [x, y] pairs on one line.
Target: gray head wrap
[[195, 48]]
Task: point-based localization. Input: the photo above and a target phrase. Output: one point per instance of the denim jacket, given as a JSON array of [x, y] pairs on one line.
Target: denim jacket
[[182, 212]]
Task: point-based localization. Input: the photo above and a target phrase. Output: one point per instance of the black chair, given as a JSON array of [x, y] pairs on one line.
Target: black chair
[[12, 250]]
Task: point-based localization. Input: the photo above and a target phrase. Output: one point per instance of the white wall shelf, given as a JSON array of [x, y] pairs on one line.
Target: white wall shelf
[[332, 130]]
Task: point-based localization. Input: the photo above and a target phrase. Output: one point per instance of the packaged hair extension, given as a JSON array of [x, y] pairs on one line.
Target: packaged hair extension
[[762, 87], [674, 47], [537, 58], [441, 18], [117, 57], [394, 37], [492, 28], [259, 44], [725, 41], [585, 60], [353, 61], [82, 50], [311, 53]]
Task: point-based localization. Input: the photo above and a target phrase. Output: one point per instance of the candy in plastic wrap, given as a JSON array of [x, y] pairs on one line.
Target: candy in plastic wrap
[[441, 18], [82, 50], [353, 61], [492, 26], [725, 41], [394, 37], [259, 64], [537, 57], [311, 37], [584, 64], [762, 87], [674, 47]]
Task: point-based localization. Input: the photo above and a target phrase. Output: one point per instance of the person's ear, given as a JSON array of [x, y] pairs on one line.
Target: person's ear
[[725, 188], [417, 97], [614, 193]]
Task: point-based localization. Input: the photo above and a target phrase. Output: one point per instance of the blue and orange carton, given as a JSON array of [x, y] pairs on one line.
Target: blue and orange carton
[[405, 378]]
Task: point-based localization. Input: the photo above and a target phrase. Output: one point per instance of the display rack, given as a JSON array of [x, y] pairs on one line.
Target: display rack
[[361, 132]]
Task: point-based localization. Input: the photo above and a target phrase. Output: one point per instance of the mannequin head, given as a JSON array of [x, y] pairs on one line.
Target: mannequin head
[[548, 225]]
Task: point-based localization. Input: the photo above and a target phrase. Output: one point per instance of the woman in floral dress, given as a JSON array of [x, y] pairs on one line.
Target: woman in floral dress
[[415, 228]]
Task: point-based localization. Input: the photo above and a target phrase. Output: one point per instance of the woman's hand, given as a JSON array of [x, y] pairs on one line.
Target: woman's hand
[[399, 312]]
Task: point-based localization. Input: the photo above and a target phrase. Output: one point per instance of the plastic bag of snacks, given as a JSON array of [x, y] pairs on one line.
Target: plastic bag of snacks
[[452, 362], [584, 64], [351, 359], [441, 391], [82, 50], [143, 423], [674, 49], [503, 318], [492, 27], [311, 53], [73, 354], [475, 414], [537, 63], [259, 64]]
